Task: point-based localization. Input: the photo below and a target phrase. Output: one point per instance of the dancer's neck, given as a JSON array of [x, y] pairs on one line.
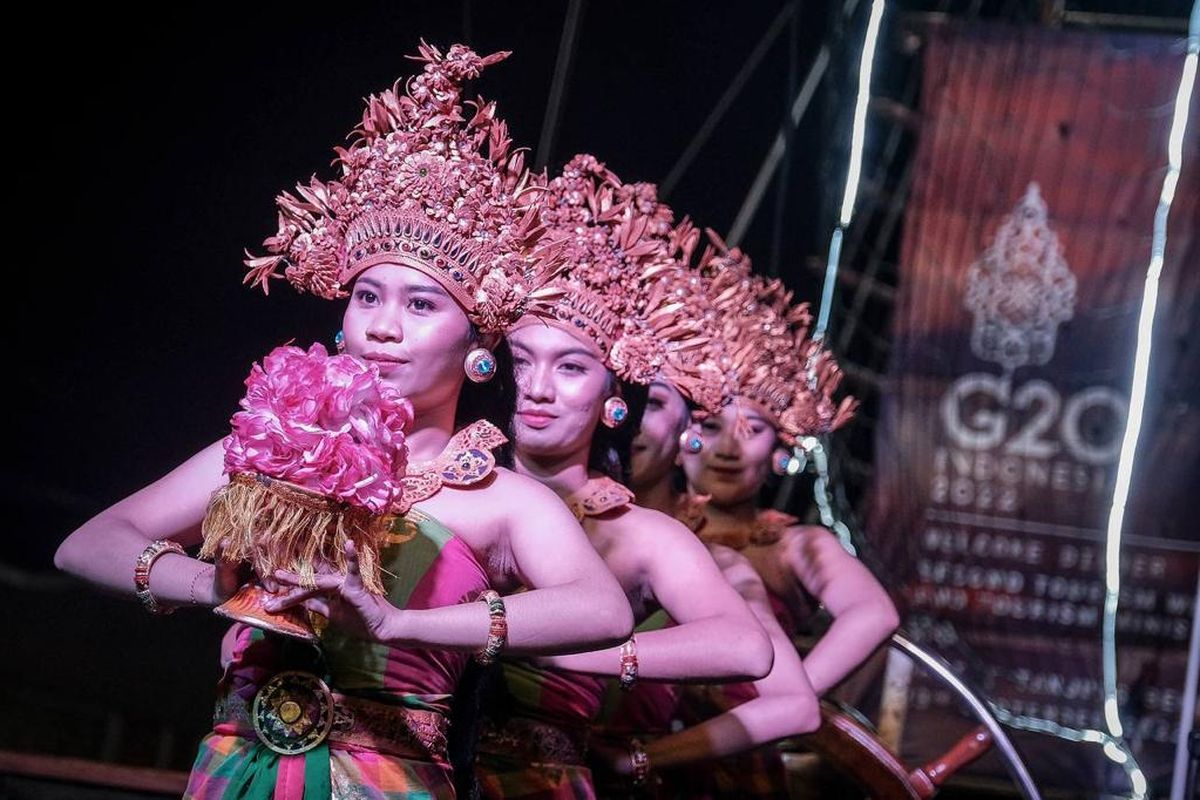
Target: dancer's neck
[[565, 475]]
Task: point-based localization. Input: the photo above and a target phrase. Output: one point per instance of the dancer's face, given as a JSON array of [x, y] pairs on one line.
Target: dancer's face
[[732, 468], [656, 446], [405, 322], [562, 385]]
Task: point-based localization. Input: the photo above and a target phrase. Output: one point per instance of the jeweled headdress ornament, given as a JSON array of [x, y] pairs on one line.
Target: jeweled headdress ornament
[[772, 359], [626, 286], [430, 182]]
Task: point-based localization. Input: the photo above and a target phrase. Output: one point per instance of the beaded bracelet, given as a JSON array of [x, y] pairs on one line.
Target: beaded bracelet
[[141, 574], [497, 630], [629, 665], [639, 762]]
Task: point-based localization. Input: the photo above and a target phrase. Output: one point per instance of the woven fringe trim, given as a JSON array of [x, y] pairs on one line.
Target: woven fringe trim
[[274, 525]]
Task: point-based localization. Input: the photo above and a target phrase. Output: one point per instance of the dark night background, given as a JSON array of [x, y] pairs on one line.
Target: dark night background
[[147, 149], [169, 139], [152, 145]]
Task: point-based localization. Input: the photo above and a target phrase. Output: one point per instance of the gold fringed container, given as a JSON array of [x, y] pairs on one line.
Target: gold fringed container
[[273, 524]]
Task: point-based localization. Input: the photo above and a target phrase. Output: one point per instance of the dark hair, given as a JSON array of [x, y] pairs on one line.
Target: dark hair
[[610, 453], [468, 707], [495, 400], [678, 478]]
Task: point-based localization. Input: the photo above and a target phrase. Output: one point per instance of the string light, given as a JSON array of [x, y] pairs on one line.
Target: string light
[[1137, 392]]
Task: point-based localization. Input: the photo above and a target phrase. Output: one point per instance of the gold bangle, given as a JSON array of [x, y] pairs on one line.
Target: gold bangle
[[497, 630], [192, 586], [141, 574]]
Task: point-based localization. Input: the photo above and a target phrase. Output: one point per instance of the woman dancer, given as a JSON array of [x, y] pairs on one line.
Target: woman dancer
[[783, 385], [582, 368], [429, 229]]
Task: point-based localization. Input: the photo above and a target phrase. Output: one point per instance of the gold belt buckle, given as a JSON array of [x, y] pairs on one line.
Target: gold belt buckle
[[293, 712]]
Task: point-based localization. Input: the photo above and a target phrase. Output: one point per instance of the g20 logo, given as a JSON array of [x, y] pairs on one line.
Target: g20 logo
[[976, 411]]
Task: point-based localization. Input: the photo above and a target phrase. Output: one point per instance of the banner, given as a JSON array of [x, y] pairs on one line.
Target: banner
[[1039, 167]]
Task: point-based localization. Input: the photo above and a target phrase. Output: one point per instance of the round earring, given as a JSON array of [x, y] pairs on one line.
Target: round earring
[[615, 412], [480, 365], [339, 341], [784, 463], [691, 442]]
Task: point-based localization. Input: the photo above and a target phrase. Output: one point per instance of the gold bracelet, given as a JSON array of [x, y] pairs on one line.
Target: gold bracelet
[[192, 586], [497, 630], [141, 574]]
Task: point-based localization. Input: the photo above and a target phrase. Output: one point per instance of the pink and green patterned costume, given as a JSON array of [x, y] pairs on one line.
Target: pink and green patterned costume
[[534, 746], [759, 773], [404, 693], [646, 712]]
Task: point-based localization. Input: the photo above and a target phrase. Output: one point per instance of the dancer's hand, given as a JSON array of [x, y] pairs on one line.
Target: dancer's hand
[[609, 760], [342, 599], [227, 577]]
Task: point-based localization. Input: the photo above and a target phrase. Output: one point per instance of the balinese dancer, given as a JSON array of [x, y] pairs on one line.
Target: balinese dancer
[[775, 707], [582, 367], [783, 384], [430, 230]]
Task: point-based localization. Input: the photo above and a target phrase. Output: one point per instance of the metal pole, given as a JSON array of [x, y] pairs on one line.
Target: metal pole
[[1016, 767], [725, 101], [781, 185], [762, 180], [558, 88], [1187, 715]]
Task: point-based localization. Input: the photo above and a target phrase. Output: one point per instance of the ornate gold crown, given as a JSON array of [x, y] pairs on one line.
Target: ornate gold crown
[[427, 182], [771, 359], [626, 286]]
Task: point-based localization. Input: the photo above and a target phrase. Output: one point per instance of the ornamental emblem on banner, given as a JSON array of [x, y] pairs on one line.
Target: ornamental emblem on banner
[[1020, 289], [1005, 438]]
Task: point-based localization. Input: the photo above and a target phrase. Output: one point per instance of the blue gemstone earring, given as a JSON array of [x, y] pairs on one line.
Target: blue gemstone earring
[[691, 442], [339, 341], [785, 462], [615, 412], [480, 365]]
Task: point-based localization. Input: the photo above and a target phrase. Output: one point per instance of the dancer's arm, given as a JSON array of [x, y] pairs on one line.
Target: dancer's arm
[[573, 602], [863, 614], [716, 636], [785, 706], [105, 549]]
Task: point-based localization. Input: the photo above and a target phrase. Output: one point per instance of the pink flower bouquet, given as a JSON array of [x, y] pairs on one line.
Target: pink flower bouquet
[[315, 458]]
